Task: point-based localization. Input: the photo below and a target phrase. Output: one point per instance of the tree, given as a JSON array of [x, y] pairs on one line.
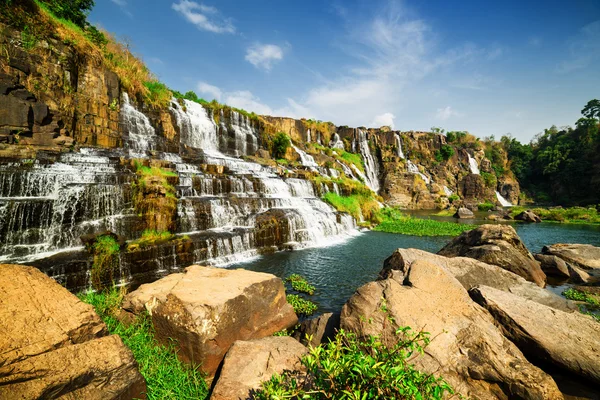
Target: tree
[[281, 142], [447, 152], [75, 11], [592, 109]]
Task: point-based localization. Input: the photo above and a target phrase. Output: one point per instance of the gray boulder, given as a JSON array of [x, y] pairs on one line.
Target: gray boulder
[[528, 216], [464, 212]]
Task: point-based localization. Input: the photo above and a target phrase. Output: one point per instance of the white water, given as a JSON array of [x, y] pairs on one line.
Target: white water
[[398, 140], [371, 166], [306, 159], [502, 200], [447, 191], [141, 136], [336, 142], [413, 169], [197, 126], [473, 165]]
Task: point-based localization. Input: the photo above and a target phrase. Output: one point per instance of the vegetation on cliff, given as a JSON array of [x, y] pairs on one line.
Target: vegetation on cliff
[[105, 251], [155, 197], [166, 376]]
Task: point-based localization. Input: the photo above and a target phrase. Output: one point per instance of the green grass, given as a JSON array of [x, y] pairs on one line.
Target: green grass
[[395, 222], [105, 251], [592, 302], [576, 215], [352, 158], [487, 206], [166, 377], [356, 205], [301, 305], [300, 284]]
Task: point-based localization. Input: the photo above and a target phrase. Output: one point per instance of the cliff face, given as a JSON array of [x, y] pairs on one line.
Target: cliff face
[[79, 156]]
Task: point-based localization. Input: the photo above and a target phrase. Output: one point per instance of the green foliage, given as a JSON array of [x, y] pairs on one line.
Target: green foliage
[[578, 215], [395, 222], [453, 197], [357, 205], [28, 38], [75, 11], [281, 142], [158, 93], [350, 367], [447, 152], [301, 305], [300, 284], [166, 376], [487, 206], [489, 179], [455, 136], [592, 302], [149, 238], [352, 158], [106, 257], [95, 36]]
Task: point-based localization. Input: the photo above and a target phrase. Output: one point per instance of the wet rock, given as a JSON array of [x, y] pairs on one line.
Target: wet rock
[[470, 273], [568, 340], [554, 266], [249, 363], [52, 344], [319, 329], [466, 347], [207, 309], [497, 245], [464, 212], [580, 255], [528, 216]]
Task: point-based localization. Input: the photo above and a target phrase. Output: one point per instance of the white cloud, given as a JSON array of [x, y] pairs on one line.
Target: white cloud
[[204, 17], [584, 49], [206, 88], [445, 113], [264, 55], [246, 100], [120, 3], [385, 119]]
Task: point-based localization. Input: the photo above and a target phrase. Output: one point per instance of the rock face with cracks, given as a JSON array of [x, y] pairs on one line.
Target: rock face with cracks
[[52, 345], [205, 310], [467, 349]]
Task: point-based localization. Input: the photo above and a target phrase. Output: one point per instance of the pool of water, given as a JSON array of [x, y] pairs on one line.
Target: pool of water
[[337, 271]]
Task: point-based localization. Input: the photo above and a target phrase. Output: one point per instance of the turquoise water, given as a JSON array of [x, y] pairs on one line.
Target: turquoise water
[[337, 271]]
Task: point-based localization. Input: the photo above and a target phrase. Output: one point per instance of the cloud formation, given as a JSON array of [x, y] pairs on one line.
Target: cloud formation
[[263, 56], [205, 18], [385, 119], [213, 91], [445, 113]]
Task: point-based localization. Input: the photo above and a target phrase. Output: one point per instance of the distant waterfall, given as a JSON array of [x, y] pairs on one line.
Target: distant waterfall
[[336, 142], [141, 136], [473, 165], [305, 159], [371, 166], [398, 141], [502, 200], [413, 169], [447, 191]]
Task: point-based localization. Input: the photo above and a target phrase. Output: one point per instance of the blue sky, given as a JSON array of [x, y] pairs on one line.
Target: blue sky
[[483, 66]]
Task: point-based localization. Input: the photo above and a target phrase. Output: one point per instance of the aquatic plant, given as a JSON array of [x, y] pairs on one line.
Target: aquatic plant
[[300, 284], [301, 305], [393, 221]]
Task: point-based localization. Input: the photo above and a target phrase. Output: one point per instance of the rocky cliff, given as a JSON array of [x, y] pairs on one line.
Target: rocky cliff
[[80, 156]]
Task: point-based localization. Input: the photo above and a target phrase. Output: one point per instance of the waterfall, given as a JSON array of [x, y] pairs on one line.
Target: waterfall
[[502, 200], [473, 165], [305, 159], [141, 136], [399, 152], [336, 142], [413, 169], [308, 136], [197, 127], [244, 134], [371, 166], [447, 191]]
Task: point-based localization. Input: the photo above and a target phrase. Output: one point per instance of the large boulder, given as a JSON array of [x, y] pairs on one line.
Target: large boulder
[[319, 329], [570, 341], [584, 256], [553, 266], [53, 345], [207, 309], [470, 272], [249, 363], [464, 212], [467, 349], [497, 245], [528, 216]]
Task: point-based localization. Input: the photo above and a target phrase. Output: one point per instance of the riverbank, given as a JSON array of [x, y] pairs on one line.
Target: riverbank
[[571, 215]]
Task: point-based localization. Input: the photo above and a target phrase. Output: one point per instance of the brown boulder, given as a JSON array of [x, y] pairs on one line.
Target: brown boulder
[[207, 309], [249, 363], [466, 347], [497, 245], [463, 212], [470, 273], [53, 345], [584, 256], [528, 216], [554, 266], [319, 329], [567, 340]]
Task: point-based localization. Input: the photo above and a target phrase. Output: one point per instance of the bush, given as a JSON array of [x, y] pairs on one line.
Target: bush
[[447, 152], [489, 179], [301, 305], [75, 11], [453, 197], [350, 367], [106, 257], [96, 36], [281, 142], [487, 206], [158, 93], [300, 284]]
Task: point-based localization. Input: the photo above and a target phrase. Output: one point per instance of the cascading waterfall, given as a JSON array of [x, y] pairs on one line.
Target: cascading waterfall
[[447, 191], [473, 165], [306, 160], [502, 200], [413, 169], [371, 166], [139, 133], [336, 142], [398, 140], [197, 126]]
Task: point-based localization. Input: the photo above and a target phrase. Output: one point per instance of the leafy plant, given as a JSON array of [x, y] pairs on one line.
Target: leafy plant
[[28, 38], [453, 197], [487, 206], [301, 305], [447, 152], [350, 367], [489, 179], [281, 142], [300, 284], [75, 11], [105, 251], [395, 222]]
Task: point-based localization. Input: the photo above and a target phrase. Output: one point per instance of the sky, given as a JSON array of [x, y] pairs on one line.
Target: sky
[[487, 67]]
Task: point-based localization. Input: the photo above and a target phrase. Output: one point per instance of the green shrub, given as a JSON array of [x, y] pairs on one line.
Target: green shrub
[[158, 93], [300, 284], [489, 179], [447, 152], [75, 11], [487, 206], [281, 142], [350, 367], [166, 376], [95, 36], [453, 197], [106, 258], [301, 305]]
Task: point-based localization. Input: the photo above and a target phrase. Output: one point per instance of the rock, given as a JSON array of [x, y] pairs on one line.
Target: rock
[[567, 340], [320, 329], [249, 363], [14, 112], [23, 94], [52, 344], [593, 290], [497, 245], [207, 309], [40, 112], [470, 272], [528, 216], [577, 275], [554, 266], [466, 347], [580, 255], [463, 212]]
